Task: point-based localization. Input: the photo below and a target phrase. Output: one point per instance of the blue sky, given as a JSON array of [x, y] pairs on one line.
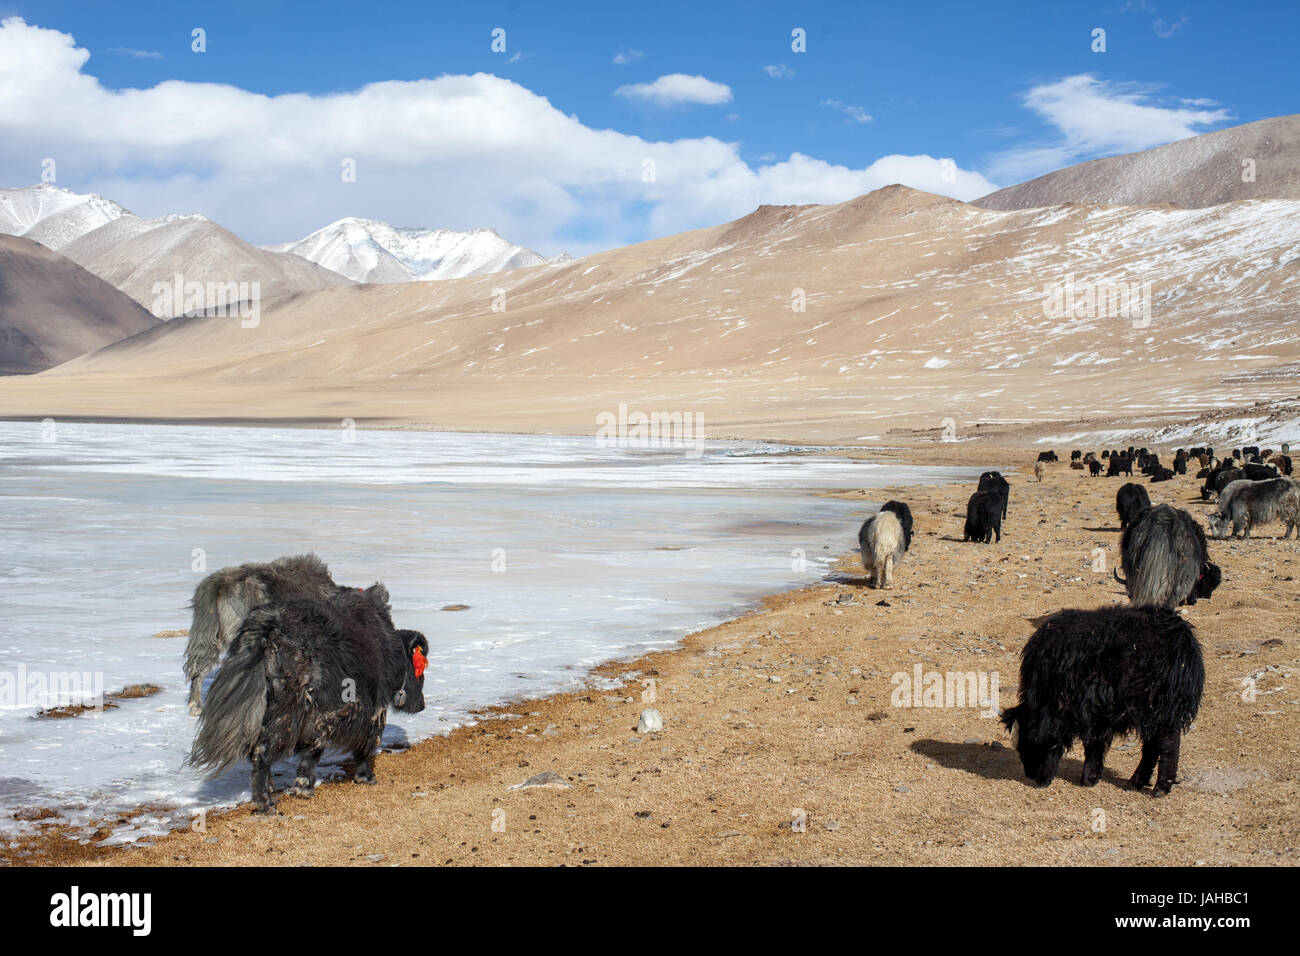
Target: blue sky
[[549, 148]]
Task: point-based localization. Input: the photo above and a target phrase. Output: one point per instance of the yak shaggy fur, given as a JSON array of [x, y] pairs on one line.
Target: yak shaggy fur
[[1245, 503], [304, 674], [883, 544], [224, 598], [1166, 559], [1095, 675], [984, 516]]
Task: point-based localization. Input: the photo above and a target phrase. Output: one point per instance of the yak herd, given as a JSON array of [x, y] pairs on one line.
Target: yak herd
[[309, 663], [1092, 675]]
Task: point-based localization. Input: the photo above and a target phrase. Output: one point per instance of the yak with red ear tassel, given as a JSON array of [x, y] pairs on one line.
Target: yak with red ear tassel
[[306, 674]]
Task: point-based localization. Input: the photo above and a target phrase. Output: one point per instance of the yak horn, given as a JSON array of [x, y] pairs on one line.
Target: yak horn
[[1115, 571]]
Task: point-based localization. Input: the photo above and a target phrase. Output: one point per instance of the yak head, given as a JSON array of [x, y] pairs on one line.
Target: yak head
[[1039, 757], [1220, 527], [409, 698], [1211, 577]]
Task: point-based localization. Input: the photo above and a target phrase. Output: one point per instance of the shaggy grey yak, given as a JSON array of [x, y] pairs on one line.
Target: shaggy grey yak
[[305, 674], [223, 599], [1166, 559], [1245, 503]]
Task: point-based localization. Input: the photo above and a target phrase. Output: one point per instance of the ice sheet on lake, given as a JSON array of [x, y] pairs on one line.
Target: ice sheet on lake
[[567, 554]]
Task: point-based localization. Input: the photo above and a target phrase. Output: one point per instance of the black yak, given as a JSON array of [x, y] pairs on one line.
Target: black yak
[[883, 544], [1047, 456], [1076, 455], [1095, 675], [984, 517], [1258, 472], [1219, 479], [304, 674], [1245, 503], [1120, 465], [993, 481], [1161, 474], [1166, 559], [1130, 501], [904, 514], [224, 598], [1094, 468]]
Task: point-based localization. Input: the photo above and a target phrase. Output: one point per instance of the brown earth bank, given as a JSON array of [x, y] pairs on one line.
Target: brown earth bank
[[781, 743]]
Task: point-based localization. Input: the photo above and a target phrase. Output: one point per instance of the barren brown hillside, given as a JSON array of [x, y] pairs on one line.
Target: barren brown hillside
[[51, 309], [895, 308], [1201, 171]]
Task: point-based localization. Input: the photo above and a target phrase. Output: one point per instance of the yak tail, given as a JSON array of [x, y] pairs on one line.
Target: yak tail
[[1115, 571], [203, 649], [231, 722]]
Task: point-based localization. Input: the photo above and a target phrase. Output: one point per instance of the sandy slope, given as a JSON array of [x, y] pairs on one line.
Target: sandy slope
[[789, 709]]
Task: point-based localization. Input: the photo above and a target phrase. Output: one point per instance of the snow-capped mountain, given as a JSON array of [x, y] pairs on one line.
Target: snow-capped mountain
[[133, 253], [369, 251], [52, 216]]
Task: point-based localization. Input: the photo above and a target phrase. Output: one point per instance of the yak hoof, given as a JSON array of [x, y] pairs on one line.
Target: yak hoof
[[265, 810], [196, 709], [302, 788], [367, 778]]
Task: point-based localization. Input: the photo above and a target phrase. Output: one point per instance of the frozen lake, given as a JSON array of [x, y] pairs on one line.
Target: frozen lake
[[568, 555]]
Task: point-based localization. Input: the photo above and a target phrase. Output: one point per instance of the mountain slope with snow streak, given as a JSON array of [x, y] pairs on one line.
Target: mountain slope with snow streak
[[894, 309]]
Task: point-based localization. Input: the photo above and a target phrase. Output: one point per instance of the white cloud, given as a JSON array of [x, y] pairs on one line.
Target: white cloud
[[678, 88], [1096, 117], [138, 54], [853, 114], [1166, 30], [624, 57], [454, 152], [779, 72]]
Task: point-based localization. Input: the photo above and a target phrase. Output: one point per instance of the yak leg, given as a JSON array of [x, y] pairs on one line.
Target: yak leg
[[261, 781], [1142, 775], [1094, 755], [304, 783], [888, 573], [365, 772], [1169, 747], [196, 696]]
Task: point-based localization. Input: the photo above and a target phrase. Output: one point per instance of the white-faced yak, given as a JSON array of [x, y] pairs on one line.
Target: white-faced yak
[[1095, 675]]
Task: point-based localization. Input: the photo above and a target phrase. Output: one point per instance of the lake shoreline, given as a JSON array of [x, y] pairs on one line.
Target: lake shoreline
[[784, 715]]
